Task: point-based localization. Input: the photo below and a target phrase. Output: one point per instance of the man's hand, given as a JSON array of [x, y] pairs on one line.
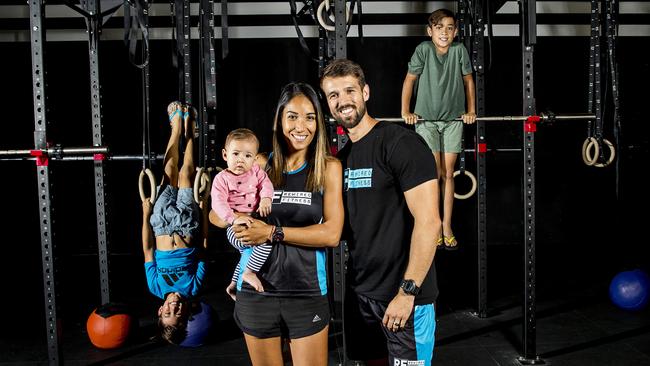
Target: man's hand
[[410, 118], [264, 208], [398, 311]]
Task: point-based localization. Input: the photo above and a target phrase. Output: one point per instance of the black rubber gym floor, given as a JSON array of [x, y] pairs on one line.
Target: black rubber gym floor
[[576, 322]]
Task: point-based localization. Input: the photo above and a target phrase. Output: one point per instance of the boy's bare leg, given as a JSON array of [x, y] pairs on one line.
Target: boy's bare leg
[[448, 188], [170, 162], [440, 171], [251, 278]]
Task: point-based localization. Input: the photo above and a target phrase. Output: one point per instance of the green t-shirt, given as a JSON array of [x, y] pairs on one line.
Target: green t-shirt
[[441, 92]]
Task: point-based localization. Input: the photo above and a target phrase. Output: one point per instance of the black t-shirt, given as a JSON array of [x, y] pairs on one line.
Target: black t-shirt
[[378, 169], [292, 270]]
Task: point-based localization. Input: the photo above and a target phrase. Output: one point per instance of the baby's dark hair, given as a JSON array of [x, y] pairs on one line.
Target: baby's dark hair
[[437, 16], [174, 334], [241, 134]]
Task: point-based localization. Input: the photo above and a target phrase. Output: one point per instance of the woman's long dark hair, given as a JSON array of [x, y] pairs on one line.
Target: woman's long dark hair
[[317, 153]]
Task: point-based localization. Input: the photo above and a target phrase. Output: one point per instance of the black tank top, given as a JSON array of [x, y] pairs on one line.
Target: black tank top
[[292, 270]]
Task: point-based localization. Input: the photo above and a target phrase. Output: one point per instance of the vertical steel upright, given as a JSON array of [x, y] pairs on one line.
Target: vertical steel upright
[[528, 34], [208, 76], [94, 29], [478, 60], [340, 252], [471, 23], [341, 27], [340, 45], [595, 76], [37, 13], [323, 57], [186, 51]]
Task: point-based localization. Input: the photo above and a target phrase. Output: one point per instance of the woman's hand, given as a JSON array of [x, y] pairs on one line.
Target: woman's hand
[[258, 232], [242, 220], [231, 290]]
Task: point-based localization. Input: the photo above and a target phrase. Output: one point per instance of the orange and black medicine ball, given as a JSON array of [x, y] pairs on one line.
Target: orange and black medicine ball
[[109, 326]]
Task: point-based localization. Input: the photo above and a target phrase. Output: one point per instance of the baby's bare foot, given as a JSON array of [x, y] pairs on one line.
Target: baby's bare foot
[[251, 278]]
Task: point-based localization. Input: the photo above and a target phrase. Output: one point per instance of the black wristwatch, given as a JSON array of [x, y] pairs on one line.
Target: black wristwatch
[[409, 287], [278, 234]]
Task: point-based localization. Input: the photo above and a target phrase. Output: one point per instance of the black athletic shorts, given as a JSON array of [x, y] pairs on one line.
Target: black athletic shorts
[[273, 316], [411, 345]]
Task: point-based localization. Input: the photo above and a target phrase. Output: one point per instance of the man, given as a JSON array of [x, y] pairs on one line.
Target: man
[[392, 200]]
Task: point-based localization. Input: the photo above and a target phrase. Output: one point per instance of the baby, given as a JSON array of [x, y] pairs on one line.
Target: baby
[[238, 191]]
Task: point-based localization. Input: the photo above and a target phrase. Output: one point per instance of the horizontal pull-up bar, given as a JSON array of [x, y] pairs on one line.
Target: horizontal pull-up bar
[[84, 158], [56, 151], [542, 118], [496, 150]]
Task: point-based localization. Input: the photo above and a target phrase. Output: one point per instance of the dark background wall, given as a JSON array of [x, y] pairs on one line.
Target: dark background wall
[[588, 227]]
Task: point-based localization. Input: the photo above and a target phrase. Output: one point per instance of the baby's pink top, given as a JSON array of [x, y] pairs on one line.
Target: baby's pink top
[[241, 193]]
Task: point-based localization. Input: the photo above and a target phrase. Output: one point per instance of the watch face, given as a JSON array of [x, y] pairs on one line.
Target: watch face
[[409, 287]]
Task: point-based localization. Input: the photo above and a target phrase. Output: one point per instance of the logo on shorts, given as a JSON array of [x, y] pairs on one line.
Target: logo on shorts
[[316, 319], [399, 362]]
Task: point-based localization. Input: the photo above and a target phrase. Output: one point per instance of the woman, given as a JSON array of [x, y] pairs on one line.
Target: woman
[[306, 217]]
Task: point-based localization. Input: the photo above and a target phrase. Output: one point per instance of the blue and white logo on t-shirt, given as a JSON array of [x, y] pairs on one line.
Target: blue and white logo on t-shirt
[[357, 178]]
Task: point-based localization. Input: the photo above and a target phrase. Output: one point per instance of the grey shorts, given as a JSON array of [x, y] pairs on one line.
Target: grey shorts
[[441, 136], [175, 212]]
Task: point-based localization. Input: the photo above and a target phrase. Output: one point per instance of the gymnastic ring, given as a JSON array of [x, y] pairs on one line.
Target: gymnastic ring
[[205, 180], [152, 185], [319, 15], [589, 144], [206, 184], [202, 184], [471, 191], [612, 154], [198, 184]]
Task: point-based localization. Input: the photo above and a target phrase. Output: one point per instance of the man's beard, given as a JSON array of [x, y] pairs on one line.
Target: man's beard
[[353, 120]]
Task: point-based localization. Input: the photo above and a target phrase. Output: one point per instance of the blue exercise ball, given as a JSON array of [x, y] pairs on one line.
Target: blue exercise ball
[[630, 290], [199, 325]]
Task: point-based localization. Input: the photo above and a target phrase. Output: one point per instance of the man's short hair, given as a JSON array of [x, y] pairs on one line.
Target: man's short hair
[[343, 67], [437, 16], [241, 134]]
